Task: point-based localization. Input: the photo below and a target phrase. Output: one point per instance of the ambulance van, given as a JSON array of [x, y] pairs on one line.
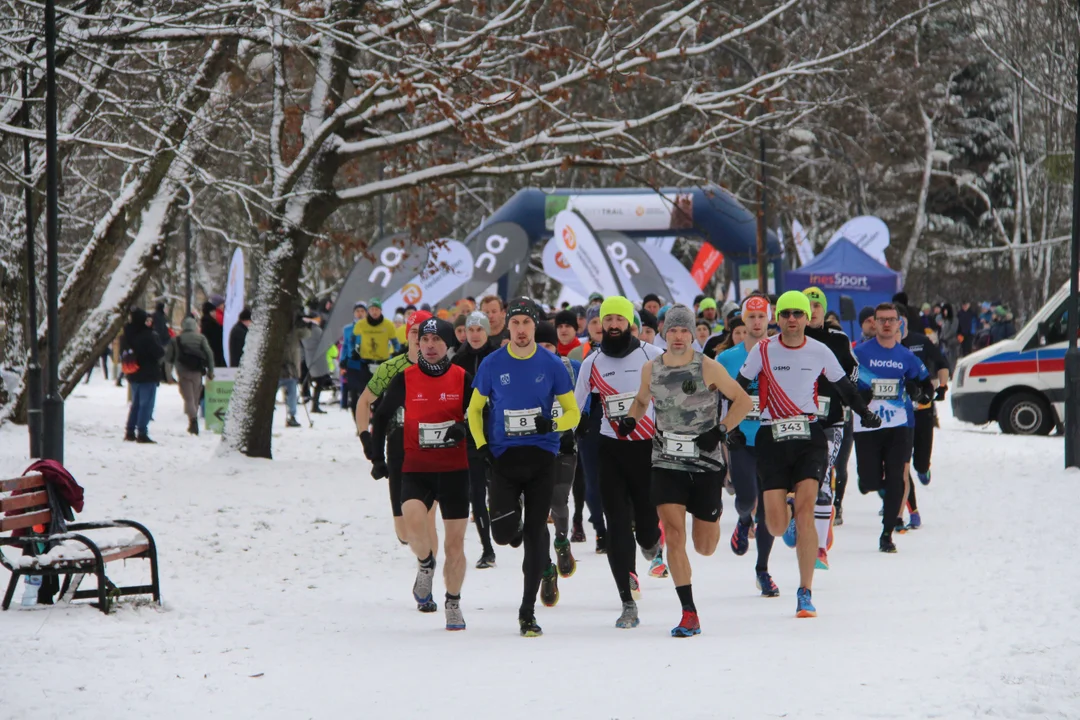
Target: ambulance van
[[1020, 382]]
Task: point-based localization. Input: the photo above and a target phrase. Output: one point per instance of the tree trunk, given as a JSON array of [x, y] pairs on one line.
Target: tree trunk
[[924, 192]]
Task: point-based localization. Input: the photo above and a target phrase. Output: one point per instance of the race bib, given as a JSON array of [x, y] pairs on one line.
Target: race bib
[[520, 422], [678, 446], [433, 435], [823, 404], [618, 406], [886, 389], [399, 417], [755, 411], [792, 428], [556, 411]]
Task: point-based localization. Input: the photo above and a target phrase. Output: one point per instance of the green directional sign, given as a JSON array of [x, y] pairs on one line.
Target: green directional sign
[[218, 392]]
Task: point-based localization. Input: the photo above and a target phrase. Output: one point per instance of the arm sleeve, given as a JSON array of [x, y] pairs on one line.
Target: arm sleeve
[[476, 418], [752, 367], [571, 414], [584, 382], [850, 395], [393, 398]]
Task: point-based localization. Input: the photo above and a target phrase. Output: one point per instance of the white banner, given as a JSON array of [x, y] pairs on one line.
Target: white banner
[[683, 287], [582, 250], [234, 299], [449, 266], [557, 267], [803, 248], [869, 233], [630, 211]]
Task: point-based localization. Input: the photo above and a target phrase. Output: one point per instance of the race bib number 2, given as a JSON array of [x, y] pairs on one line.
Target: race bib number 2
[[520, 422], [679, 446]]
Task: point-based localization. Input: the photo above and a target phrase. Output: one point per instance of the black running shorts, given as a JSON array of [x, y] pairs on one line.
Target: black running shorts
[[783, 464], [450, 489], [699, 492]]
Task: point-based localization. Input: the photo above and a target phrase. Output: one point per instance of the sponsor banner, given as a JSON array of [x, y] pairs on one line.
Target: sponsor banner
[[803, 248], [218, 393], [678, 279], [706, 264], [387, 270], [557, 267], [497, 250], [841, 281], [625, 211], [636, 269], [234, 298], [587, 259], [868, 233], [450, 265]]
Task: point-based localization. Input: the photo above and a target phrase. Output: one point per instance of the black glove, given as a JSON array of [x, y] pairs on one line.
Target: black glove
[[486, 455], [544, 425], [566, 444], [379, 470], [709, 441], [626, 426], [870, 420], [455, 433], [365, 440], [583, 425], [939, 394], [736, 440]]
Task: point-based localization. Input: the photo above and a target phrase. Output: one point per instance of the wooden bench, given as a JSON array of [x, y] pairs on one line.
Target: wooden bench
[[24, 502]]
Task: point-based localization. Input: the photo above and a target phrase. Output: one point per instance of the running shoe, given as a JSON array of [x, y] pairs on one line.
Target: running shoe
[[454, 619], [650, 553], [601, 544], [822, 562], [578, 536], [900, 527], [549, 587], [791, 537], [766, 585], [804, 606], [688, 626], [838, 518], [740, 538], [658, 568], [487, 560], [528, 626], [924, 478], [914, 521], [629, 618], [564, 559], [635, 587], [422, 589], [886, 545]]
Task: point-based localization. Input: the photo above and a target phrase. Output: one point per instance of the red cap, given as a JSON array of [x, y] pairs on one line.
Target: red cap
[[416, 318], [756, 303]]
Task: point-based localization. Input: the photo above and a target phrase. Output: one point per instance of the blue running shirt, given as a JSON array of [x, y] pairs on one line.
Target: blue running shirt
[[884, 371]]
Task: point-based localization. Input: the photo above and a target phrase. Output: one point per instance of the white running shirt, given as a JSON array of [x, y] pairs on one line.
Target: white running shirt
[[611, 376], [787, 383]]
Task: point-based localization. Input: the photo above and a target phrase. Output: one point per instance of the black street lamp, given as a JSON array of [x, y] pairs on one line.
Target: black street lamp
[[53, 437], [1072, 355]]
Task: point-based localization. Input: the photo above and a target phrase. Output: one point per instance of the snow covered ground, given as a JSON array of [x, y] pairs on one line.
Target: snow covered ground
[[287, 596]]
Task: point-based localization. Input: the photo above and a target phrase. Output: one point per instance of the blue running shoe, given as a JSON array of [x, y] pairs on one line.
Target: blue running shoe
[[914, 521], [740, 539], [804, 607], [790, 536], [766, 585], [924, 478]]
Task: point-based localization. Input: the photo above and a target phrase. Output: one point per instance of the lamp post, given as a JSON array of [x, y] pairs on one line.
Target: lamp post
[[33, 368], [53, 437], [1072, 355]]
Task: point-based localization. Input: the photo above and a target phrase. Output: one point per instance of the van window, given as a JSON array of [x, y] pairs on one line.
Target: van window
[[1057, 325]]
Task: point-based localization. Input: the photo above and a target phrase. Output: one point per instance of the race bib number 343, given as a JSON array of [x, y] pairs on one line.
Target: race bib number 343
[[793, 428]]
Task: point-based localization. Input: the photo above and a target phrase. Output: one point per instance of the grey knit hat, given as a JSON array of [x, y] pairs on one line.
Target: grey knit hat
[[679, 316], [593, 311], [478, 319]]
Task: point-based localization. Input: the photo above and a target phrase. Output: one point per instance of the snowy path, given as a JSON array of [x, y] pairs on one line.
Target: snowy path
[[287, 596]]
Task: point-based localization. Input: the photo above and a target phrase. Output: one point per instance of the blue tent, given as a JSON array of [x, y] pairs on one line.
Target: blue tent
[[844, 269]]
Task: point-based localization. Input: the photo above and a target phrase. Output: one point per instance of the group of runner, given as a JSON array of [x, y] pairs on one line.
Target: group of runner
[[644, 428]]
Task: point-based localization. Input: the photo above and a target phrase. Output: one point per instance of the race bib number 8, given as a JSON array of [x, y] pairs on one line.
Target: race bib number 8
[[679, 446], [618, 406], [556, 411], [433, 435], [886, 389], [792, 428], [520, 422]]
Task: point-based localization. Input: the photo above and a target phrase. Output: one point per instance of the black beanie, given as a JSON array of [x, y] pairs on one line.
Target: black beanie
[[866, 312], [436, 326], [545, 333], [648, 320], [566, 317], [522, 306], [651, 297]]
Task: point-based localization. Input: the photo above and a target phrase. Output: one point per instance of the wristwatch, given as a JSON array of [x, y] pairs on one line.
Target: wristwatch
[[722, 428]]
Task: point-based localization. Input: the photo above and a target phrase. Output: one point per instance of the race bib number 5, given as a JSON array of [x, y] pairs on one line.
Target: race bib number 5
[[520, 422], [618, 406]]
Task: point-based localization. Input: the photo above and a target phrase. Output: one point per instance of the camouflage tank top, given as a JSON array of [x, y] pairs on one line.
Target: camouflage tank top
[[685, 408]]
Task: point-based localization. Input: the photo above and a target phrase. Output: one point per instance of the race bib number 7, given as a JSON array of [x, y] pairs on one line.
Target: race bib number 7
[[433, 435]]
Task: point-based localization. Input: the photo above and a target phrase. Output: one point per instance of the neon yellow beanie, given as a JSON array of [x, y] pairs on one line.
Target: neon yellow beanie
[[618, 305], [793, 300], [817, 296]]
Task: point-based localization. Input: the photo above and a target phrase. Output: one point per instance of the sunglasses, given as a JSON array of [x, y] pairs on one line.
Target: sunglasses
[[792, 313]]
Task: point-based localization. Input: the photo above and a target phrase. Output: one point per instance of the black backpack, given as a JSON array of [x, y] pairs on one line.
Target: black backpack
[[189, 360]]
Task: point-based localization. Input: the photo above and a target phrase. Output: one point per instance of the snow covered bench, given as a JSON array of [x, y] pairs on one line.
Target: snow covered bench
[[24, 502]]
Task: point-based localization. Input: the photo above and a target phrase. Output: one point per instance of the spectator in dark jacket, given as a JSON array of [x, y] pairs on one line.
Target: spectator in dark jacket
[[193, 358], [143, 349], [967, 326], [210, 326], [238, 336]]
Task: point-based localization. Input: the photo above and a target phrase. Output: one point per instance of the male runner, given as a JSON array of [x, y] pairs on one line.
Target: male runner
[[625, 460], [791, 446], [831, 415], [687, 464], [522, 383], [756, 314], [892, 377], [434, 395], [495, 309], [376, 340]]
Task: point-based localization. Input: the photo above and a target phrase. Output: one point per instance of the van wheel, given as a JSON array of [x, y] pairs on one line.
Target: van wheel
[[1026, 414]]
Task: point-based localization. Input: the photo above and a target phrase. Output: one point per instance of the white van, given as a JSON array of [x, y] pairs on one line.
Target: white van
[[1019, 382]]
